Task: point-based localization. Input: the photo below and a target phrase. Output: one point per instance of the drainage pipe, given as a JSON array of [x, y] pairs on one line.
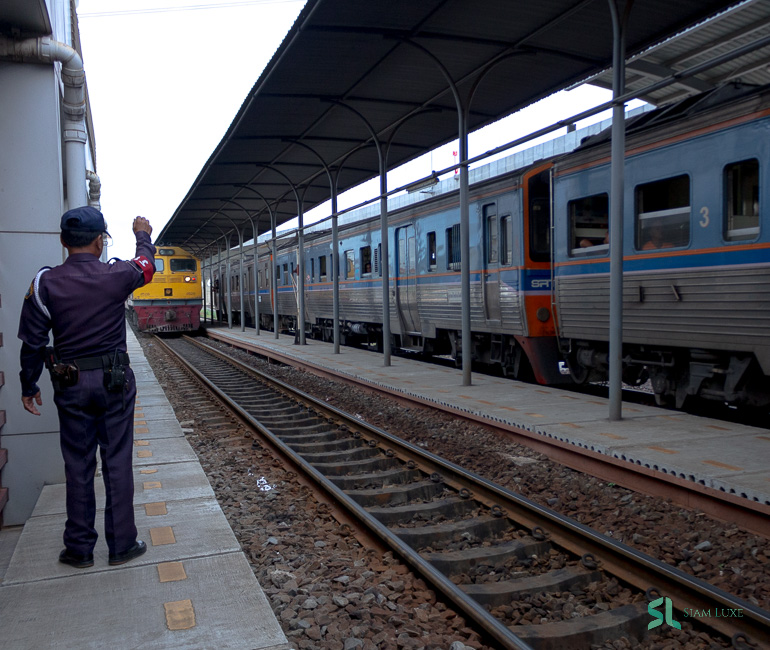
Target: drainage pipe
[[94, 189], [47, 50]]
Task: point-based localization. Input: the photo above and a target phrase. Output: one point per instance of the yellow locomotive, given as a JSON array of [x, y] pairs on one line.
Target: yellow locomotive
[[172, 301]]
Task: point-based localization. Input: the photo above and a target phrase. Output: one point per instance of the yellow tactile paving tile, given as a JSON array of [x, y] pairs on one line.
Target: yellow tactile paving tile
[[143, 453], [141, 430], [152, 485], [155, 509], [162, 535], [148, 471], [141, 443], [137, 422], [180, 615], [171, 572]]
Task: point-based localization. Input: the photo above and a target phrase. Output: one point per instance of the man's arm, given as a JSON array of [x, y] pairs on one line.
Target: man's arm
[[143, 263], [34, 326], [145, 251]]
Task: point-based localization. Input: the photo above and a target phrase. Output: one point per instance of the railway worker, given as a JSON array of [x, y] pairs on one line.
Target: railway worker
[[82, 302]]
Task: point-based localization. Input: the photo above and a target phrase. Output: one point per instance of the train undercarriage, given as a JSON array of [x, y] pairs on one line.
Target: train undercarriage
[[675, 375]]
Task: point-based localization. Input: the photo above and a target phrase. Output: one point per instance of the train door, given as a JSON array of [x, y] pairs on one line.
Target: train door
[[491, 273], [406, 291]]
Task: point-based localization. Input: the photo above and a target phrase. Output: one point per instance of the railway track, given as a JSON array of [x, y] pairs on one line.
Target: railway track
[[480, 545], [645, 479]]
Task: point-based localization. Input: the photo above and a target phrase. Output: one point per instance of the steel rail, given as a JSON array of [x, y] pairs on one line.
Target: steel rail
[[629, 565]]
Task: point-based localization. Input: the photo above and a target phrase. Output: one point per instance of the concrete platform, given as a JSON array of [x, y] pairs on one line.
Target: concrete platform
[[193, 588], [728, 457]]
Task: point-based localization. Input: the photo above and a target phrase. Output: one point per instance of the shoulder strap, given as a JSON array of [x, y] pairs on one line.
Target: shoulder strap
[[36, 292]]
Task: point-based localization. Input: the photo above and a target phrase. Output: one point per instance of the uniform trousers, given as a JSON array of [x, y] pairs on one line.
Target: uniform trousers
[[91, 416]]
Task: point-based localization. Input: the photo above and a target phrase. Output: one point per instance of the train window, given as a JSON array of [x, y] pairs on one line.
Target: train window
[[322, 268], [453, 255], [431, 251], [663, 214], [741, 213], [366, 260], [278, 274], [589, 225], [166, 251], [159, 265], [350, 265], [183, 265], [377, 258], [286, 279], [492, 234], [312, 269], [506, 253]]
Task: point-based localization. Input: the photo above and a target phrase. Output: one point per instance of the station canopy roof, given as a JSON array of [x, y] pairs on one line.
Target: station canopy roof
[[388, 62], [744, 24]]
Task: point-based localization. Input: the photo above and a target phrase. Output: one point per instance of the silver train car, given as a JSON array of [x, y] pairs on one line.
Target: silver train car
[[511, 318], [696, 287], [696, 261]]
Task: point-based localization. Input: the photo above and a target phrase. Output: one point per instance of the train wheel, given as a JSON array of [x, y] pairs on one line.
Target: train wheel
[[578, 373]]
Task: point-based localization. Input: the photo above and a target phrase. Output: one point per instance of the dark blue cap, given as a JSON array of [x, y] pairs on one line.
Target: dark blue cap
[[83, 219]]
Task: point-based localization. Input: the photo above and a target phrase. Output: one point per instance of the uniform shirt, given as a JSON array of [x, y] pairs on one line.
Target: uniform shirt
[[85, 300]]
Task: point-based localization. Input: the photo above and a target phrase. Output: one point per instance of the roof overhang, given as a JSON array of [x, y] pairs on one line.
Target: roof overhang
[[391, 63], [24, 18], [735, 28]]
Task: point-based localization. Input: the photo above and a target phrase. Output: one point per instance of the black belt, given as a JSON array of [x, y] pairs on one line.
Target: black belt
[[102, 362]]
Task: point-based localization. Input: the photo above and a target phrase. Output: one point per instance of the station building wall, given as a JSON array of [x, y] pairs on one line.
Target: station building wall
[[32, 200]]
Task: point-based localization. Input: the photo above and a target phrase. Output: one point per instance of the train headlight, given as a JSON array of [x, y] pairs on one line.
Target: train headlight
[[189, 278]]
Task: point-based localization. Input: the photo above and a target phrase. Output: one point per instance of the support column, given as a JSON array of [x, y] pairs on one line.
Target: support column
[[227, 283], [465, 248], [334, 271], [274, 277], [301, 275], [256, 277], [384, 260], [618, 146]]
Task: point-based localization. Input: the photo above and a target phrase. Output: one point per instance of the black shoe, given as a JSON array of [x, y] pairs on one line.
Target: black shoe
[[135, 551], [78, 561]]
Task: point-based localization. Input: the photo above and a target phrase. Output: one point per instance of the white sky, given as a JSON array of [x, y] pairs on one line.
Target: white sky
[[166, 78]]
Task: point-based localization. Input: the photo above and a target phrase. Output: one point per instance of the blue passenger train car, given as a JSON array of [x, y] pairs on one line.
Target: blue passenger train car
[[696, 288], [696, 261]]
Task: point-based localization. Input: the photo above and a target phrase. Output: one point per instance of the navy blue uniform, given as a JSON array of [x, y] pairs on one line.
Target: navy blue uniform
[[83, 303]]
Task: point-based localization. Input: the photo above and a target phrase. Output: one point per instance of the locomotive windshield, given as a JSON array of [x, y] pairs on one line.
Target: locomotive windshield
[[184, 265]]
